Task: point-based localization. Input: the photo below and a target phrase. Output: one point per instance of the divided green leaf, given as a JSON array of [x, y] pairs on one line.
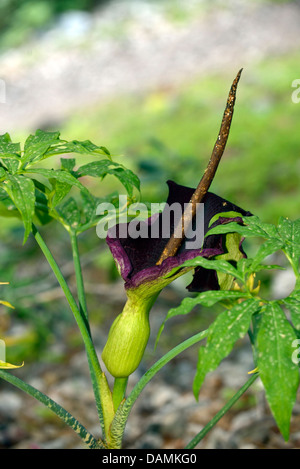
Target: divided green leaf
[[277, 370], [290, 233], [21, 190], [207, 299], [58, 174], [37, 145], [104, 167], [8, 149], [220, 265], [292, 302], [230, 326]]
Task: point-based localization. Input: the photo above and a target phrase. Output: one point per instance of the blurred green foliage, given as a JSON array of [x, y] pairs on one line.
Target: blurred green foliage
[[169, 133], [20, 19]]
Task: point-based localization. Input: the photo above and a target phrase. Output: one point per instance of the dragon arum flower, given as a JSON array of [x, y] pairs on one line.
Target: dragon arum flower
[[144, 279]]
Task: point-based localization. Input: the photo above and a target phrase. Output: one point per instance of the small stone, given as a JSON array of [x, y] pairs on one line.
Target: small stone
[[10, 404]]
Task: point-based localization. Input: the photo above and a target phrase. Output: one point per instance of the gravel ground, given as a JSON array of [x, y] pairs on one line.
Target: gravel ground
[[166, 415]]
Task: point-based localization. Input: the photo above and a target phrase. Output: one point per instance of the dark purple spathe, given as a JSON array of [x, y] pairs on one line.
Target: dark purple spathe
[[136, 258]]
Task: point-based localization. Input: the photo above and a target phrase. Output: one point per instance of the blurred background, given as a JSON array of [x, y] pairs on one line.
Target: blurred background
[[148, 79]]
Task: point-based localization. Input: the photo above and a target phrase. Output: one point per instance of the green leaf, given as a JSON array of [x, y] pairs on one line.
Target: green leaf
[[7, 207], [59, 191], [8, 149], [37, 145], [245, 266], [21, 190], [269, 230], [292, 302], [12, 165], [266, 249], [89, 217], [290, 232], [252, 227], [43, 144], [207, 298], [2, 174], [232, 252], [219, 265], [68, 163], [104, 167], [85, 147], [60, 175], [279, 375], [231, 214], [223, 333], [70, 213]]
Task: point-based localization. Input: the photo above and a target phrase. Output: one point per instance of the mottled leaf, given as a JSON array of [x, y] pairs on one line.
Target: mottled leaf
[[59, 191], [8, 149], [218, 265], [290, 232], [37, 145], [292, 302], [44, 144], [252, 227], [104, 167], [21, 190], [278, 372], [60, 175], [207, 299], [266, 249], [68, 163], [2, 173], [223, 333], [70, 213], [85, 147]]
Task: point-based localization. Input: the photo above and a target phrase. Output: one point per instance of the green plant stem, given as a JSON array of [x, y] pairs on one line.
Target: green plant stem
[[78, 274], [119, 422], [62, 413], [221, 413], [119, 390], [160, 364], [105, 397], [93, 361]]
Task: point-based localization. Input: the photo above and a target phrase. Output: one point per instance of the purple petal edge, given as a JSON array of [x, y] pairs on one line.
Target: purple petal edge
[[153, 273]]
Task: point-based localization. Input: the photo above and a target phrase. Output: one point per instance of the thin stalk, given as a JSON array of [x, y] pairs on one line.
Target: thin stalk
[[78, 274], [119, 422], [93, 361], [160, 364], [185, 222], [119, 390], [221, 413], [62, 413]]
